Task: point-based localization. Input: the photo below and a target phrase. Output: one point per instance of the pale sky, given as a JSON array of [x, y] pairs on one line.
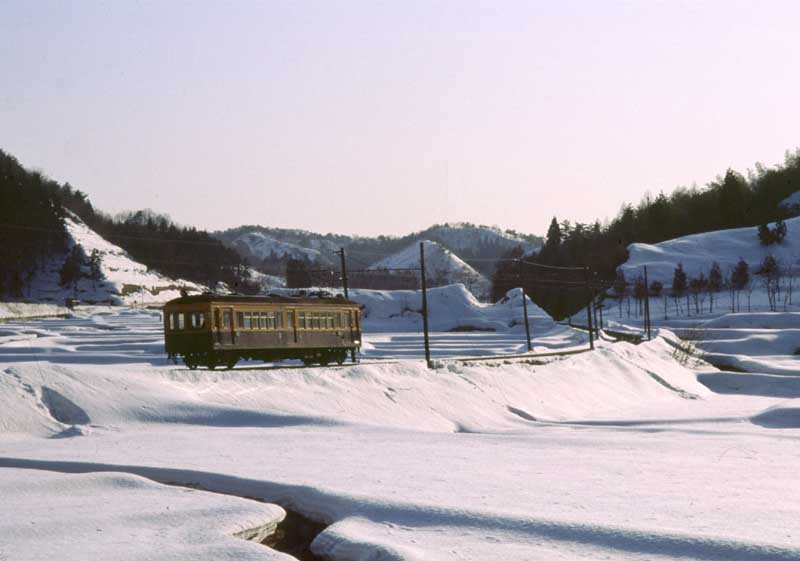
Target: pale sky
[[377, 117]]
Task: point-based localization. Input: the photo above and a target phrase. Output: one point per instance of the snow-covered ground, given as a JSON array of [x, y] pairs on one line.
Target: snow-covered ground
[[618, 454]]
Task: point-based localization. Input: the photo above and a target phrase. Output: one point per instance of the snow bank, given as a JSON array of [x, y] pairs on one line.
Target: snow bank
[[78, 397], [26, 310], [124, 517]]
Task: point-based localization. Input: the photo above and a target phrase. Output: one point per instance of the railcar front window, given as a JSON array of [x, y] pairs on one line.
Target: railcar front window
[[171, 321], [181, 321]]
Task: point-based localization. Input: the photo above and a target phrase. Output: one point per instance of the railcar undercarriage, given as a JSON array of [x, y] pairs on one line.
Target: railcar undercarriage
[[229, 358]]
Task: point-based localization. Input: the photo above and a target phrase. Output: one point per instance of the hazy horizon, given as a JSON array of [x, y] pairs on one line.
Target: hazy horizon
[[369, 118]]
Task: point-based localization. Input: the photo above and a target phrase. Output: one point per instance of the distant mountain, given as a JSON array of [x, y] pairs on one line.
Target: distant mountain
[[268, 249], [442, 267]]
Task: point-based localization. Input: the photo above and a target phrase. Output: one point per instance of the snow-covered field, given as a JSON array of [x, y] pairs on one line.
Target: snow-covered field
[[617, 454]]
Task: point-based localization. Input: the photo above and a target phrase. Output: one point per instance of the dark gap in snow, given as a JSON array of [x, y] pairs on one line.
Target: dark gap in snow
[[292, 536], [521, 413]]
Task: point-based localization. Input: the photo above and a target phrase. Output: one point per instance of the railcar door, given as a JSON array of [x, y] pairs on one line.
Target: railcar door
[[223, 322], [291, 323]]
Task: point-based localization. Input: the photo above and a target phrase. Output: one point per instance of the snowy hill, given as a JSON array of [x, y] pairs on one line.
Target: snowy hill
[[465, 237], [124, 281], [260, 246], [468, 241], [442, 267], [698, 251]]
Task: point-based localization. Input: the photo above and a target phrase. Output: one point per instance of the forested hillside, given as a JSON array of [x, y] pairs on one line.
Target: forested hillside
[[32, 232], [31, 224], [732, 201]]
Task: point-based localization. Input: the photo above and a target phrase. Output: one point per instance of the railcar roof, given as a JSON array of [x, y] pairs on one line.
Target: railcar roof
[[271, 299]]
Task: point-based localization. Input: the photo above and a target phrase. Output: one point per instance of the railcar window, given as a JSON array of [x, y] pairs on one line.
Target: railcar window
[[346, 317], [270, 320], [226, 319], [329, 320], [290, 319], [239, 319], [316, 320], [279, 320], [301, 320], [337, 320], [262, 320]]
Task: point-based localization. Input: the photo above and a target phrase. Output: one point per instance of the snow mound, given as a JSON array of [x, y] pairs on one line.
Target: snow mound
[[177, 523]]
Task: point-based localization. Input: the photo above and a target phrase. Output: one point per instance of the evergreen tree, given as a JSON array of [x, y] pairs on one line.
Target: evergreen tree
[[554, 235], [71, 269], [95, 270]]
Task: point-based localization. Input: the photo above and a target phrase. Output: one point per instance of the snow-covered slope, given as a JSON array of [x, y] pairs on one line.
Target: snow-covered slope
[[461, 236], [792, 202], [442, 267], [260, 246], [124, 281], [698, 251]]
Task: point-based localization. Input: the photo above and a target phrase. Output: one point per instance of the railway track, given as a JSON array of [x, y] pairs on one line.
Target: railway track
[[483, 358]]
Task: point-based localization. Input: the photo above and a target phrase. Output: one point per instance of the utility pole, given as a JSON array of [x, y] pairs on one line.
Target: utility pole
[[647, 305], [346, 295], [527, 325], [344, 272], [424, 303], [589, 307]]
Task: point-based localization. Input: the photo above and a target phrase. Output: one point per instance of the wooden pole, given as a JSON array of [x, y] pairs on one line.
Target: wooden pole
[[646, 304], [589, 308], [347, 295], [424, 303], [344, 273], [527, 324]]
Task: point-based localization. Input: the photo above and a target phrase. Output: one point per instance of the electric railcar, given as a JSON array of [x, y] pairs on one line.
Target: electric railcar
[[214, 330]]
